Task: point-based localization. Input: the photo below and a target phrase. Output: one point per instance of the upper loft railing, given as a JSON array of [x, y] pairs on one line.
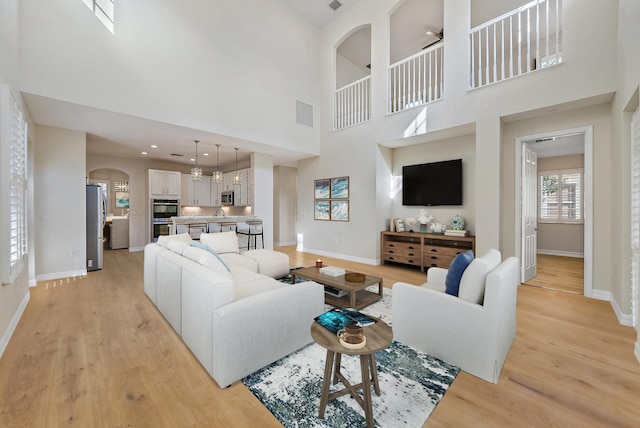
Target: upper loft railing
[[352, 104], [416, 80], [518, 42]]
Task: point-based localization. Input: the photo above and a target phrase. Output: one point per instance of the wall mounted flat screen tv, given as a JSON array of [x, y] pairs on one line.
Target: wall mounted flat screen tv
[[429, 184]]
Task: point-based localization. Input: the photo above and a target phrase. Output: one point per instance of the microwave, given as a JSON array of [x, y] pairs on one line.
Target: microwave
[[226, 198]]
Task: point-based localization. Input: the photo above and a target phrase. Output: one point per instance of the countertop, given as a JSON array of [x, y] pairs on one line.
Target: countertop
[[211, 218]]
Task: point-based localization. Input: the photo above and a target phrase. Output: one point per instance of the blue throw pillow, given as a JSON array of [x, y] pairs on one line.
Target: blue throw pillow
[[198, 244], [456, 269]]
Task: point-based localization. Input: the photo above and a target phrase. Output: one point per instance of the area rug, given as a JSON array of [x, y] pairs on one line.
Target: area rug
[[411, 385]]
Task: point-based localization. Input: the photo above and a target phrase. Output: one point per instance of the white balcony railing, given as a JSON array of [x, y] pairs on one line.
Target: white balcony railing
[[518, 42], [416, 80], [352, 104]]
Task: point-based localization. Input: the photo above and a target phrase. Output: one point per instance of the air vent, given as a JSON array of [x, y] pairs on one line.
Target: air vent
[[543, 140], [335, 4], [178, 155], [304, 113]]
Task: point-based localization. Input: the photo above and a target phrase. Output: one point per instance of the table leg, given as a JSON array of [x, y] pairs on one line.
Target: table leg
[[365, 364], [324, 397], [336, 367], [293, 278], [374, 373], [352, 299]]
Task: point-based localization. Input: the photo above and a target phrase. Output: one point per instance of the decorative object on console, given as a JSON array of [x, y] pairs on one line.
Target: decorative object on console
[[410, 222], [457, 222], [399, 225], [424, 219], [451, 232], [437, 228]]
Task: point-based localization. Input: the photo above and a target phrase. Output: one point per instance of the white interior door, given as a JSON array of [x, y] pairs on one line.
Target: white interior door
[[529, 211]]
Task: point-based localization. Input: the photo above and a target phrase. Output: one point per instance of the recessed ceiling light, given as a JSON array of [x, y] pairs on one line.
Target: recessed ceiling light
[[153, 146], [145, 153]]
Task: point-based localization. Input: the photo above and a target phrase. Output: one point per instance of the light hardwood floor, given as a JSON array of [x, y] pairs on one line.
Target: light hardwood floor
[[559, 273], [94, 352]]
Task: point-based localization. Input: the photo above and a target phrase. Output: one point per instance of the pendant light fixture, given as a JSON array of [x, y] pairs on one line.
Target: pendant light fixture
[[196, 173], [236, 176], [217, 178]]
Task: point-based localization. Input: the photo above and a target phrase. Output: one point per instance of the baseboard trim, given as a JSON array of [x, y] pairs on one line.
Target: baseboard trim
[[134, 249], [561, 253], [637, 351], [374, 262], [59, 275], [284, 244], [624, 319], [4, 341]]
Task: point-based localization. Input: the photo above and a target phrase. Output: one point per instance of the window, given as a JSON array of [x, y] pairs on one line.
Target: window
[[104, 10], [13, 130], [560, 196]]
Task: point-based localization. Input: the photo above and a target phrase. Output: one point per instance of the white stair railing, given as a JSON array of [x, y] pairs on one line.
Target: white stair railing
[[416, 80], [352, 104], [518, 42]]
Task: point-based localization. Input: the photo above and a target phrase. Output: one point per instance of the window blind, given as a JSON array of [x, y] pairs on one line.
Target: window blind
[[14, 218]]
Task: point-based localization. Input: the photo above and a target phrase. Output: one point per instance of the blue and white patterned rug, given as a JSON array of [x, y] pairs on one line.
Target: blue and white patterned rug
[[411, 385]]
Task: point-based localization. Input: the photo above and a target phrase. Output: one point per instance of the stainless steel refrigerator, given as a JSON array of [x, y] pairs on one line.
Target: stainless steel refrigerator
[[95, 225]]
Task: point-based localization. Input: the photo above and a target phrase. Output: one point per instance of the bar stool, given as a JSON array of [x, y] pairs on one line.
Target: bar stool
[[227, 226], [196, 229], [254, 228]]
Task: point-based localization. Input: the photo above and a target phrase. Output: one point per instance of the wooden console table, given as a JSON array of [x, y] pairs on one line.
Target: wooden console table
[[423, 249]]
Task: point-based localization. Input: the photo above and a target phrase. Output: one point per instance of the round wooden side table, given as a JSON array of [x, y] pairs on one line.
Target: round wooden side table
[[379, 336]]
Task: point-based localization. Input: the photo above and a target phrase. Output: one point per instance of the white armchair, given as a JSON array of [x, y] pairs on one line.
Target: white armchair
[[474, 336]]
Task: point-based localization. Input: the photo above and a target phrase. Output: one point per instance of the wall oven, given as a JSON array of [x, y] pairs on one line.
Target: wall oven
[[161, 212]]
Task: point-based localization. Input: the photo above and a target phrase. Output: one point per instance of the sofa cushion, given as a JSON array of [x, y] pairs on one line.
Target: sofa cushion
[[210, 250], [247, 283], [271, 263], [473, 281], [165, 239], [206, 259], [493, 258], [177, 246], [456, 270], [221, 242], [233, 259]]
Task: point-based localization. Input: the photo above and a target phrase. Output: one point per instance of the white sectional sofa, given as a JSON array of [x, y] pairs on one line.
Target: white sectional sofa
[[233, 317]]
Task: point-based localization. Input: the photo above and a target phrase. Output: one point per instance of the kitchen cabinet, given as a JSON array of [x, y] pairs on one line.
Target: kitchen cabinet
[[196, 193], [242, 193], [164, 184]]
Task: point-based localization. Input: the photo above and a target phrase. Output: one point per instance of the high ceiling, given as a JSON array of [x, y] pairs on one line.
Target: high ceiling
[[115, 134]]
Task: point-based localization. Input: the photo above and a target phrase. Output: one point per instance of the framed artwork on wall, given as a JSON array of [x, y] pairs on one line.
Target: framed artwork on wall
[[322, 189], [122, 199], [340, 188], [321, 210], [340, 210]]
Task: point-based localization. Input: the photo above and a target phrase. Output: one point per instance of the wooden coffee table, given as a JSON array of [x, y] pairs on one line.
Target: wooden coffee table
[[379, 336], [357, 297]]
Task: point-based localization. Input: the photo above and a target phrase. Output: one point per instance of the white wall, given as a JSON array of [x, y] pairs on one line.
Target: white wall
[[60, 202], [353, 151], [454, 148], [284, 205], [230, 67]]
